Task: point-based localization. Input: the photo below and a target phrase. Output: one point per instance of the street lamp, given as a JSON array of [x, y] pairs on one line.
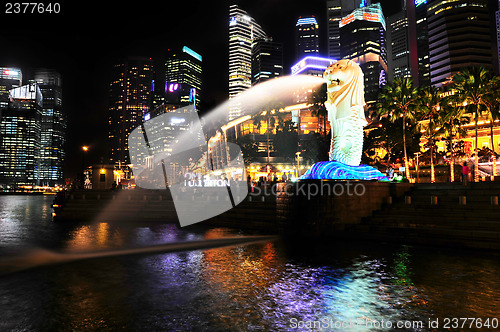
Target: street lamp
[[85, 149], [298, 163], [417, 154]]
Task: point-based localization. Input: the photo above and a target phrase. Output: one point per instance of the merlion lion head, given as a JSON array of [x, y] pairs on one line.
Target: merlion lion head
[[344, 79]]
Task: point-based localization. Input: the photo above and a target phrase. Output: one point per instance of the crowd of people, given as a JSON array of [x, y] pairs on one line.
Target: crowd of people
[[270, 179]]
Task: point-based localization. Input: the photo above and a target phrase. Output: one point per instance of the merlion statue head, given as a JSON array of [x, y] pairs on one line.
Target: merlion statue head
[[344, 80]]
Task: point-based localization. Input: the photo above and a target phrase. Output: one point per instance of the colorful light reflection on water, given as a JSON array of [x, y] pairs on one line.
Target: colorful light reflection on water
[[255, 287]]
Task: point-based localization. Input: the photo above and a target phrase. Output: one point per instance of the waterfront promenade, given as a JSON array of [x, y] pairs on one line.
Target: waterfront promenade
[[440, 214]]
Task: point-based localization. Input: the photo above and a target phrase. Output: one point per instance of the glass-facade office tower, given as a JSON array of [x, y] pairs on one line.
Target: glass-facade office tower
[[407, 43], [459, 36], [306, 37], [335, 10], [243, 30], [398, 48], [424, 67], [130, 97], [183, 77], [53, 128], [362, 35], [267, 60], [20, 132]]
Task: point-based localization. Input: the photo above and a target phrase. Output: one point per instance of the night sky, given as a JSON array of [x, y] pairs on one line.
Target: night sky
[[85, 38]]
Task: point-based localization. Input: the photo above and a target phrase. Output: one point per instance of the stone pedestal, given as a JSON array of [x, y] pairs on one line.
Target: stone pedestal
[[323, 207]]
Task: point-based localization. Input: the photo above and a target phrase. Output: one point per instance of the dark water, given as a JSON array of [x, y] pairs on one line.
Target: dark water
[[281, 285]]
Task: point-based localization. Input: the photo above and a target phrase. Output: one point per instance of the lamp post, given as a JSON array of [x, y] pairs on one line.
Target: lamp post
[[85, 149], [298, 163], [417, 154]]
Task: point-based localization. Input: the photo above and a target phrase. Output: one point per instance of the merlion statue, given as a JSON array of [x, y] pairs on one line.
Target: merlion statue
[[345, 90], [345, 105]]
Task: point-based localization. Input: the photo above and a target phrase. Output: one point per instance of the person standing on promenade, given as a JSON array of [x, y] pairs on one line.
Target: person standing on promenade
[[465, 173]]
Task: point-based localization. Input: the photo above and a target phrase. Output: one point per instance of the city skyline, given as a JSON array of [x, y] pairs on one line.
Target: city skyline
[[84, 53]]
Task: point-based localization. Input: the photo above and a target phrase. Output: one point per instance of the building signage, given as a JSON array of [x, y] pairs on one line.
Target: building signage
[[372, 13]]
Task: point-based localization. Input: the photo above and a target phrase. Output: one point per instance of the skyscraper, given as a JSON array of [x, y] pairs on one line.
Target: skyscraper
[[335, 10], [267, 60], [20, 132], [407, 47], [183, 77], [424, 68], [53, 128], [10, 78], [459, 36], [130, 97], [243, 30], [498, 35], [398, 48], [306, 37], [362, 35]]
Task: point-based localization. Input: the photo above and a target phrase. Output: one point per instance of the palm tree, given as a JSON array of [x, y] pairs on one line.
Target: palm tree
[[471, 89], [317, 100], [452, 122], [430, 123], [400, 99], [491, 103]]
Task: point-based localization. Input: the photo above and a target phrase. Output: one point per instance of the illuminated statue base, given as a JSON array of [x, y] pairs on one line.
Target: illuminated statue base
[[334, 170]]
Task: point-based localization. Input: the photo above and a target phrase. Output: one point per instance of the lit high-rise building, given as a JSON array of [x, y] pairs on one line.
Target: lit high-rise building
[[20, 138], [243, 30], [306, 37], [10, 78], [311, 65], [362, 35], [183, 77], [407, 43], [398, 48], [130, 97], [53, 128], [335, 10], [459, 36], [267, 60], [424, 68]]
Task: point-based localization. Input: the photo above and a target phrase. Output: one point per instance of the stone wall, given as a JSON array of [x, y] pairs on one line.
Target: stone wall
[[323, 207]]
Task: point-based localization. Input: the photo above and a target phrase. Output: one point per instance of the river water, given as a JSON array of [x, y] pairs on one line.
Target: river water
[[279, 285]]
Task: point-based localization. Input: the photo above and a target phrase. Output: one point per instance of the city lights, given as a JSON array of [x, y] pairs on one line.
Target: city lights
[[265, 165], [312, 62]]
